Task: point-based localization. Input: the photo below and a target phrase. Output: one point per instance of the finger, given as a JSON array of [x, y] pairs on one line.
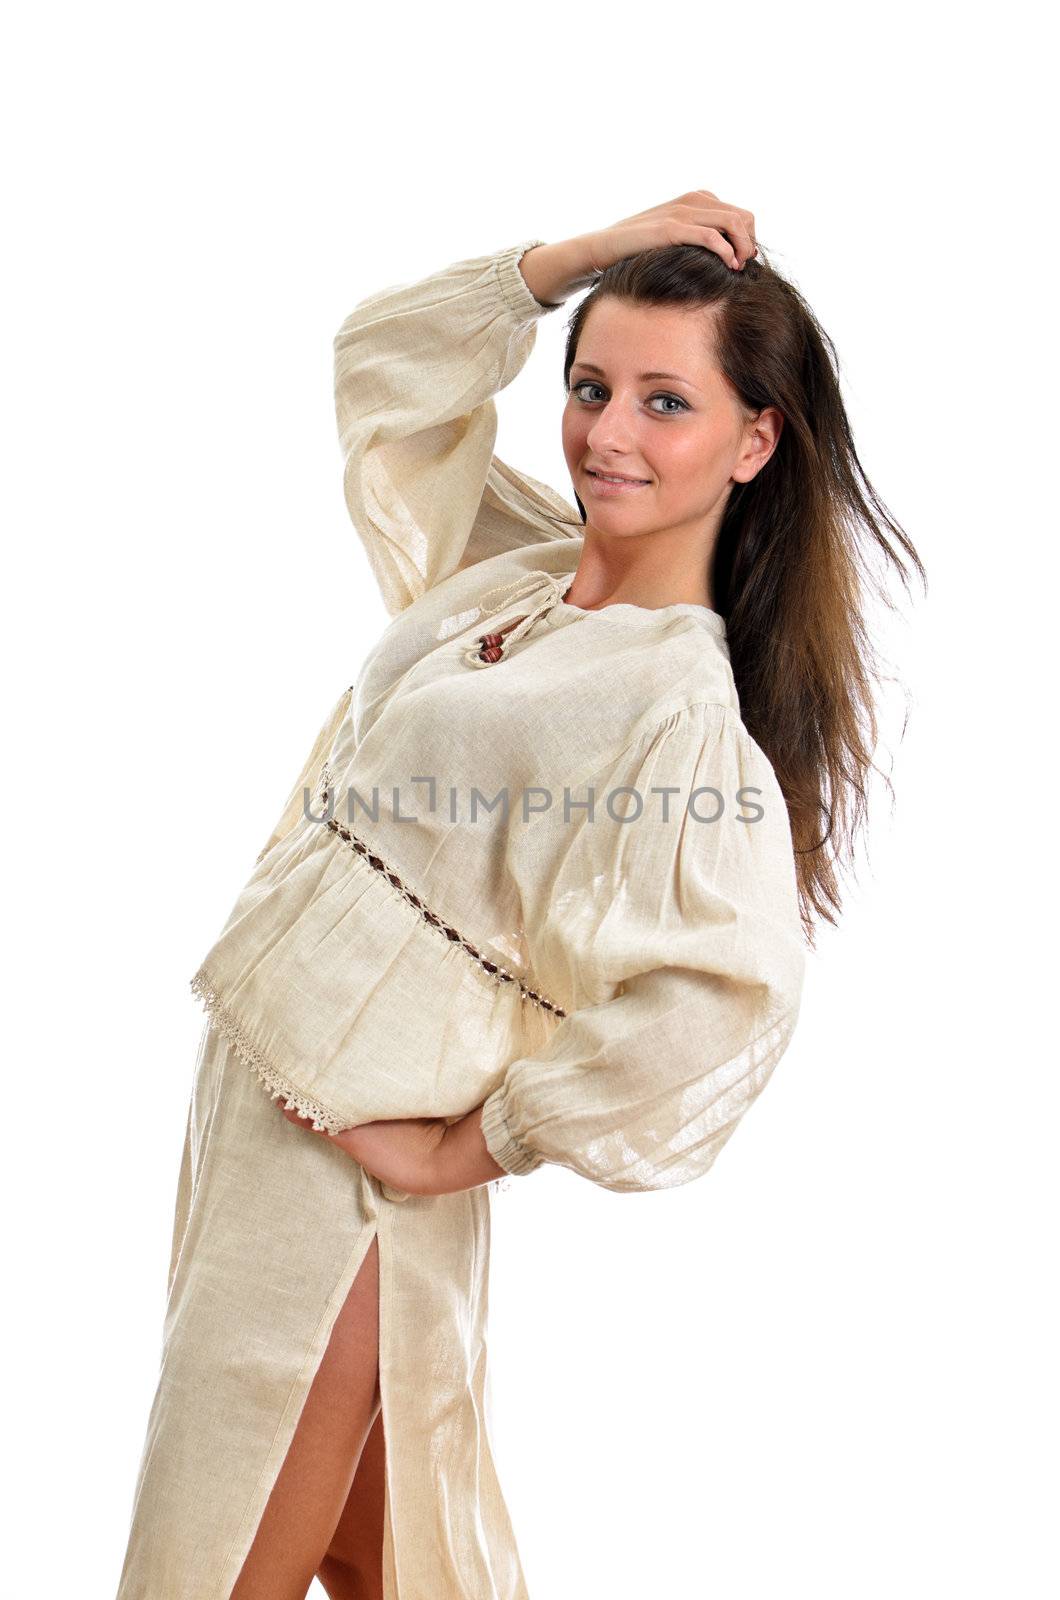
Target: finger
[[739, 234], [740, 227], [715, 240], [747, 219], [300, 1121]]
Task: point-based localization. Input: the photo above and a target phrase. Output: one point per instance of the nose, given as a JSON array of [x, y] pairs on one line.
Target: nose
[[610, 430]]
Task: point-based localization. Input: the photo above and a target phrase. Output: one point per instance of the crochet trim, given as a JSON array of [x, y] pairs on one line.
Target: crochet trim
[[323, 1118], [496, 971]]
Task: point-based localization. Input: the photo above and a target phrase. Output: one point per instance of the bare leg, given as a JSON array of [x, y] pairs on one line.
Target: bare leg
[[313, 1484], [353, 1566]]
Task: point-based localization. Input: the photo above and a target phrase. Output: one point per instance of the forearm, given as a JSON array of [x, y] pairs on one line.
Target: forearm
[[555, 271], [462, 1160]]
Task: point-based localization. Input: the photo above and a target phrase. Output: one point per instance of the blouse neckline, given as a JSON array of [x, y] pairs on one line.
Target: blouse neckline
[[711, 619]]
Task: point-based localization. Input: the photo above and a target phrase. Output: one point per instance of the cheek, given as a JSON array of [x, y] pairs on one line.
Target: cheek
[[692, 461], [574, 431]]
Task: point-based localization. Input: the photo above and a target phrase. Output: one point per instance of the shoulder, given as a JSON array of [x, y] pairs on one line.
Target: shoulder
[[700, 703], [704, 740]]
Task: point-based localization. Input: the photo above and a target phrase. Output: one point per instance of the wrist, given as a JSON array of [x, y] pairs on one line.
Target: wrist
[[552, 272], [463, 1161]]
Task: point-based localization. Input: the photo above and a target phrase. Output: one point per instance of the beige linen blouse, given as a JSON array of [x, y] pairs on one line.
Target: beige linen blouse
[[551, 874], [560, 882]]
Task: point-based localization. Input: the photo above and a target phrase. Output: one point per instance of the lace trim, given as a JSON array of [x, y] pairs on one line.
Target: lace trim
[[324, 1120], [501, 974]]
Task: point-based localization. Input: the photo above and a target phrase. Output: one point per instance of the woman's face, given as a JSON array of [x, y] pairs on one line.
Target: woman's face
[[687, 436]]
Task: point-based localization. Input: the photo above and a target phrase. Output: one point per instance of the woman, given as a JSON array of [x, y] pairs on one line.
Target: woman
[[541, 892]]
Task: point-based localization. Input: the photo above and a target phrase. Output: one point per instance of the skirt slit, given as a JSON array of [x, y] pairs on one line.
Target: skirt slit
[[272, 1223]]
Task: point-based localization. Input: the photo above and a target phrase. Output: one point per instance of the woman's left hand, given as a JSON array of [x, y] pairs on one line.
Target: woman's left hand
[[418, 1155]]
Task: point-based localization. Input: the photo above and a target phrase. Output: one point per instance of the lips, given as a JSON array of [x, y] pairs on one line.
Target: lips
[[613, 477]]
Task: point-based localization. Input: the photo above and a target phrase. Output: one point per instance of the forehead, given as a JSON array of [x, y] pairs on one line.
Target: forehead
[[627, 340]]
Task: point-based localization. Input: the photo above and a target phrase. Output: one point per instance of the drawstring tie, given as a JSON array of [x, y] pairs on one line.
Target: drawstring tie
[[491, 647]]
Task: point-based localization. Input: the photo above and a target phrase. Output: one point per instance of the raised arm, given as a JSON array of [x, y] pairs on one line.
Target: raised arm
[[416, 369]]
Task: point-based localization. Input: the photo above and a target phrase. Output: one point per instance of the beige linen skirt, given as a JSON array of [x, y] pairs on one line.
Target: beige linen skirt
[[272, 1224]]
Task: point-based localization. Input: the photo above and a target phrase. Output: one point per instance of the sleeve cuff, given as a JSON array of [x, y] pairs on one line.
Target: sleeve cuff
[[503, 1146], [514, 287]]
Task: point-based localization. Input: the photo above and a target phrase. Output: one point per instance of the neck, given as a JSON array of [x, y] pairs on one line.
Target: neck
[[650, 571]]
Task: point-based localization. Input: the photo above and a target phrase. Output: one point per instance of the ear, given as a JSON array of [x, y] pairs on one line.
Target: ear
[[760, 440]]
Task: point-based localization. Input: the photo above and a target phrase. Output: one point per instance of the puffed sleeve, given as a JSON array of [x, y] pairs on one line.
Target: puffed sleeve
[[416, 367], [685, 937]]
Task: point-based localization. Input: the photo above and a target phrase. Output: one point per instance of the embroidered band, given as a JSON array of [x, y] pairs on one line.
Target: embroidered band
[[495, 971]]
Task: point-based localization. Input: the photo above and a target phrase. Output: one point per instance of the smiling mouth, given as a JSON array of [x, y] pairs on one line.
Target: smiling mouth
[[605, 477]]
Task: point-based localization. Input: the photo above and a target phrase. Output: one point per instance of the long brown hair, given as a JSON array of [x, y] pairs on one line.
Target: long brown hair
[[791, 566]]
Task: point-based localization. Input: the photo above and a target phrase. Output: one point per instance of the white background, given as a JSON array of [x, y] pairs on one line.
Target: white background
[[850, 1392]]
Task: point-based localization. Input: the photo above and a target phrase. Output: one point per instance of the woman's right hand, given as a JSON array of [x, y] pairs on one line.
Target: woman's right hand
[[554, 271]]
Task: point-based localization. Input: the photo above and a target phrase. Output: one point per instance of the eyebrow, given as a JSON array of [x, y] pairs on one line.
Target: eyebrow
[[675, 376]]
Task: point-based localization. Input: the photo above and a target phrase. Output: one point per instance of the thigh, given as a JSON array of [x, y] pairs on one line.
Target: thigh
[[313, 1485], [354, 1560]]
